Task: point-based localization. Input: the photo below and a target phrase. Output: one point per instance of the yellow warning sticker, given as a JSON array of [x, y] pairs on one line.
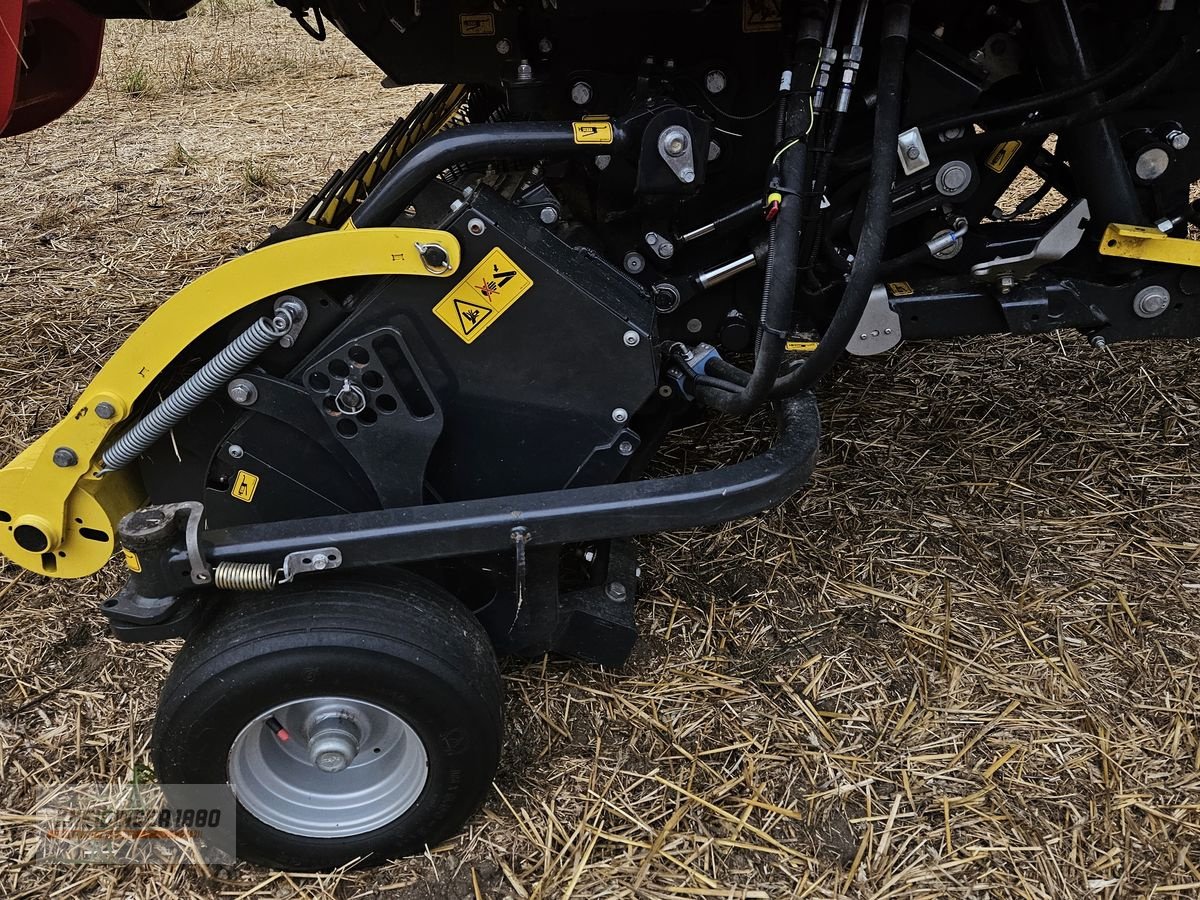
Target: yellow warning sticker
[[593, 132], [900, 289], [481, 298], [762, 15], [1002, 155], [800, 346], [244, 486], [477, 25], [131, 560]]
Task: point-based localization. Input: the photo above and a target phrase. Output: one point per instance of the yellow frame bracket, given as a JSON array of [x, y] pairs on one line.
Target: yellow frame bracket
[[59, 519], [1149, 244]]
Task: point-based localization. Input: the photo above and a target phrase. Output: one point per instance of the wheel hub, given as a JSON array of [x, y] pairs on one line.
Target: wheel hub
[[328, 767]]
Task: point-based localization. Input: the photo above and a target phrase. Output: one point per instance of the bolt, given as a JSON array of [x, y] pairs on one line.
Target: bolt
[[105, 410], [676, 142], [476, 227], [548, 215], [65, 458], [589, 555], [687, 176], [1178, 139], [320, 561], [1152, 301], [952, 134], [715, 81], [235, 451], [694, 325], [625, 448], [714, 151], [664, 249], [545, 46], [1007, 283], [634, 262], [504, 46], [1098, 341], [953, 178], [242, 392], [913, 152], [632, 339], [602, 161], [620, 415], [456, 206], [581, 93], [665, 391], [524, 71], [616, 591]]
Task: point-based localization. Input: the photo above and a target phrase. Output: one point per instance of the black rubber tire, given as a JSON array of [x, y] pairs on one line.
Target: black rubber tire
[[393, 640]]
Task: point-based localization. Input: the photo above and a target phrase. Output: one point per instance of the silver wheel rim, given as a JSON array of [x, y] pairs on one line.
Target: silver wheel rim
[[327, 767]]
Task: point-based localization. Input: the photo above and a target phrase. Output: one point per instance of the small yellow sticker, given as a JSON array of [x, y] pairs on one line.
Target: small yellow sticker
[[477, 25], [900, 289], [1002, 155], [244, 486], [801, 346], [131, 560], [593, 132], [762, 15], [481, 298]]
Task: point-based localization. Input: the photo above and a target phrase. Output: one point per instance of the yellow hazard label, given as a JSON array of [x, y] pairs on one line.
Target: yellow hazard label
[[801, 346], [244, 486], [1002, 155], [131, 560], [593, 131], [761, 15], [900, 289], [477, 25], [483, 296]]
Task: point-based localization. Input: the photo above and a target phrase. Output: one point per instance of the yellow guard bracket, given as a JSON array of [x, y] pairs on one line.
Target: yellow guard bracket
[[1150, 244], [61, 520]]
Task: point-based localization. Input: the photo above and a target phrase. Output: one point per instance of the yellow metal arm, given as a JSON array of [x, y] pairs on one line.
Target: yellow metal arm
[[1139, 242], [59, 518]]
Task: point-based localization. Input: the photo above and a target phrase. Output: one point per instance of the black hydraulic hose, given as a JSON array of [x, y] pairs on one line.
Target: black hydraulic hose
[[877, 218], [1158, 31], [1058, 124], [779, 283], [1065, 122], [504, 140]]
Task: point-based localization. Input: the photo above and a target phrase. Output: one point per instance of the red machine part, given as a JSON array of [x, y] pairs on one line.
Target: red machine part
[[49, 55]]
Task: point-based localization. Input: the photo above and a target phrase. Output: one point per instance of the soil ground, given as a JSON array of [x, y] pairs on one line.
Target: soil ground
[[963, 663]]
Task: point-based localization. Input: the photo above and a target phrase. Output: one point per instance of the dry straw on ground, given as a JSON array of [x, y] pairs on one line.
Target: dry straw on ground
[[963, 663]]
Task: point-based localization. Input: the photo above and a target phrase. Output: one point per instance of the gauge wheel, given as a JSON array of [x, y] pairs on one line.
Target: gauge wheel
[[354, 719]]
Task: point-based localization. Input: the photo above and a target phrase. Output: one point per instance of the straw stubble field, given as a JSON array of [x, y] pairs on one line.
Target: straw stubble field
[[963, 663]]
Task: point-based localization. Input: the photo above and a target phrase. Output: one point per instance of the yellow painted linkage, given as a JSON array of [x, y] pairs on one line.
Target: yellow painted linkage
[[60, 519], [1149, 244]]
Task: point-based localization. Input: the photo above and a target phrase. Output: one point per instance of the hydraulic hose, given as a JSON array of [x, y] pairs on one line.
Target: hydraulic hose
[[1158, 31], [779, 283], [877, 219]]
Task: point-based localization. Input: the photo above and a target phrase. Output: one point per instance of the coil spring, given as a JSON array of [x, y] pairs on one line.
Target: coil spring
[[242, 351], [236, 576]]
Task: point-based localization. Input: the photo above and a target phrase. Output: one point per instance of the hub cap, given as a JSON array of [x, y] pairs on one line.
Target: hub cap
[[328, 767]]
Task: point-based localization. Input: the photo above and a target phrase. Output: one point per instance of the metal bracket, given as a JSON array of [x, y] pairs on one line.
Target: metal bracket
[[200, 571], [299, 313], [675, 147], [1150, 244], [879, 328], [910, 147], [309, 561], [1063, 237]]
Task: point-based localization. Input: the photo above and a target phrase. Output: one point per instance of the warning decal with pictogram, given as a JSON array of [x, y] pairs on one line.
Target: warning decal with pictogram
[[481, 298]]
